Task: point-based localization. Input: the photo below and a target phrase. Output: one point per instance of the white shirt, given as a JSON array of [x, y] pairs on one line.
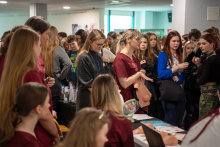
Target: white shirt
[[210, 137]]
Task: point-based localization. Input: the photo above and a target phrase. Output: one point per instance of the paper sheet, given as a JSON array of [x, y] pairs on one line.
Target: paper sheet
[[141, 116], [169, 129]]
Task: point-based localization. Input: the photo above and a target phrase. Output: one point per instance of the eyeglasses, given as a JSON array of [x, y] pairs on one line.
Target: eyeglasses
[[138, 38], [100, 45]]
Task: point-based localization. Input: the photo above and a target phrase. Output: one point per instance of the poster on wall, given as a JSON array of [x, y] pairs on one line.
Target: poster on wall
[[87, 27], [158, 32], [168, 31]]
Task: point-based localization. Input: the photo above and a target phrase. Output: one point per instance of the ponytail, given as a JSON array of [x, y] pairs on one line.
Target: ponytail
[[10, 121], [216, 42], [119, 47]]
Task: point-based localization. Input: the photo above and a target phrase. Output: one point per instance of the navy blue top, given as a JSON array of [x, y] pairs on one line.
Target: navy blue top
[[164, 70]]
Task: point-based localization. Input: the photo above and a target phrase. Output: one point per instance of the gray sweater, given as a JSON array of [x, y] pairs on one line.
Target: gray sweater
[[61, 57]]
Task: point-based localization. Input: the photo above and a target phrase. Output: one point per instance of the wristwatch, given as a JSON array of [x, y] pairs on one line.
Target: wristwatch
[[108, 61]]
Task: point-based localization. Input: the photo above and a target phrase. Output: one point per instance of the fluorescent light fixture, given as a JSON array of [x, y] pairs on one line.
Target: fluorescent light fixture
[[66, 7], [115, 1], [171, 5], [3, 2]]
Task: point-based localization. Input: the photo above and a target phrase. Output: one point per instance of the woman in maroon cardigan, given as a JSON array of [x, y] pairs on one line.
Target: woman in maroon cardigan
[[31, 104], [105, 96], [21, 67]]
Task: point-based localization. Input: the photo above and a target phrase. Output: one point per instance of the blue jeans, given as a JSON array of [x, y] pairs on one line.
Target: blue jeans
[[173, 112]]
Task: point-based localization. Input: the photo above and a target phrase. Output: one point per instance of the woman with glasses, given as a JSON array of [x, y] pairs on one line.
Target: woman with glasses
[[89, 65], [127, 67]]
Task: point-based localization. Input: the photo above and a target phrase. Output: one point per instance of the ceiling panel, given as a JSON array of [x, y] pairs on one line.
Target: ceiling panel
[[22, 6]]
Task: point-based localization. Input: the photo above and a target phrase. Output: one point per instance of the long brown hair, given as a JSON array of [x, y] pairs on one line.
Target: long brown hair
[[157, 48], [129, 33], [149, 54], [7, 39], [27, 98], [166, 47], [48, 50], [82, 33], [20, 60], [84, 128], [105, 95], [93, 36]]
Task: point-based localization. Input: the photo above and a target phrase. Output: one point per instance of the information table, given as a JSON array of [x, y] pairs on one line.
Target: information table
[[137, 137]]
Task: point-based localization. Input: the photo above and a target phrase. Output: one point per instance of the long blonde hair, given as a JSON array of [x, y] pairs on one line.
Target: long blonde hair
[[130, 33], [48, 50], [105, 95], [84, 128], [20, 59], [149, 54], [157, 48], [93, 36], [184, 49], [27, 97]]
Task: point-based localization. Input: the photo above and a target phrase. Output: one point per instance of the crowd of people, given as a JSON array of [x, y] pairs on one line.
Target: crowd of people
[[174, 78]]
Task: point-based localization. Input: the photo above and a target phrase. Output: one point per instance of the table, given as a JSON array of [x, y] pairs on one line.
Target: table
[[139, 140], [65, 113]]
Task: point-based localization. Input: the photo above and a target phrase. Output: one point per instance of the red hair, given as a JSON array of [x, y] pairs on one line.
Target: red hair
[[167, 50], [211, 39]]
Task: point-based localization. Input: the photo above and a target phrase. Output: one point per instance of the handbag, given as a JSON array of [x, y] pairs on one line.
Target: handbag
[[171, 90]]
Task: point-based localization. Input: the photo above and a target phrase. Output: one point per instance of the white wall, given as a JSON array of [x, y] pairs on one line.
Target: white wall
[[196, 14], [64, 22], [178, 15]]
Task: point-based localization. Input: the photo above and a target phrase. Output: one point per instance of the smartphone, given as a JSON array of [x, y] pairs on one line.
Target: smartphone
[[47, 79]]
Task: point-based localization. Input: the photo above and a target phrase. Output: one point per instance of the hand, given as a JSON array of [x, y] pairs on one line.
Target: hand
[[142, 76], [143, 61], [51, 81], [56, 139], [196, 61], [175, 78], [143, 71], [218, 95], [183, 65], [54, 113], [104, 59]]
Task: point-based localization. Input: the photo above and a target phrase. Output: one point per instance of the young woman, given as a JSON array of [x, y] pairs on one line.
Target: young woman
[[154, 44], [54, 56], [188, 48], [171, 55], [111, 37], [209, 72], [127, 67], [81, 36], [148, 62], [105, 97], [21, 66], [184, 39], [114, 46], [65, 45], [31, 105], [88, 129], [89, 65]]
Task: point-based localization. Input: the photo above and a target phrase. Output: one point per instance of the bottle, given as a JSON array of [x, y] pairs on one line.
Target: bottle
[[71, 93], [66, 92], [62, 92]]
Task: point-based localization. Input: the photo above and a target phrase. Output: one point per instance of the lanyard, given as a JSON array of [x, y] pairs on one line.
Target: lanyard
[[95, 63]]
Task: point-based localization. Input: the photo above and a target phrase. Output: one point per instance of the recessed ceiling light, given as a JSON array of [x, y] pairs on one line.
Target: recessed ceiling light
[[171, 5], [3, 2], [66, 7], [115, 1]]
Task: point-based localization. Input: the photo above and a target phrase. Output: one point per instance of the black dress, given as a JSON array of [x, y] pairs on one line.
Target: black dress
[[89, 66]]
